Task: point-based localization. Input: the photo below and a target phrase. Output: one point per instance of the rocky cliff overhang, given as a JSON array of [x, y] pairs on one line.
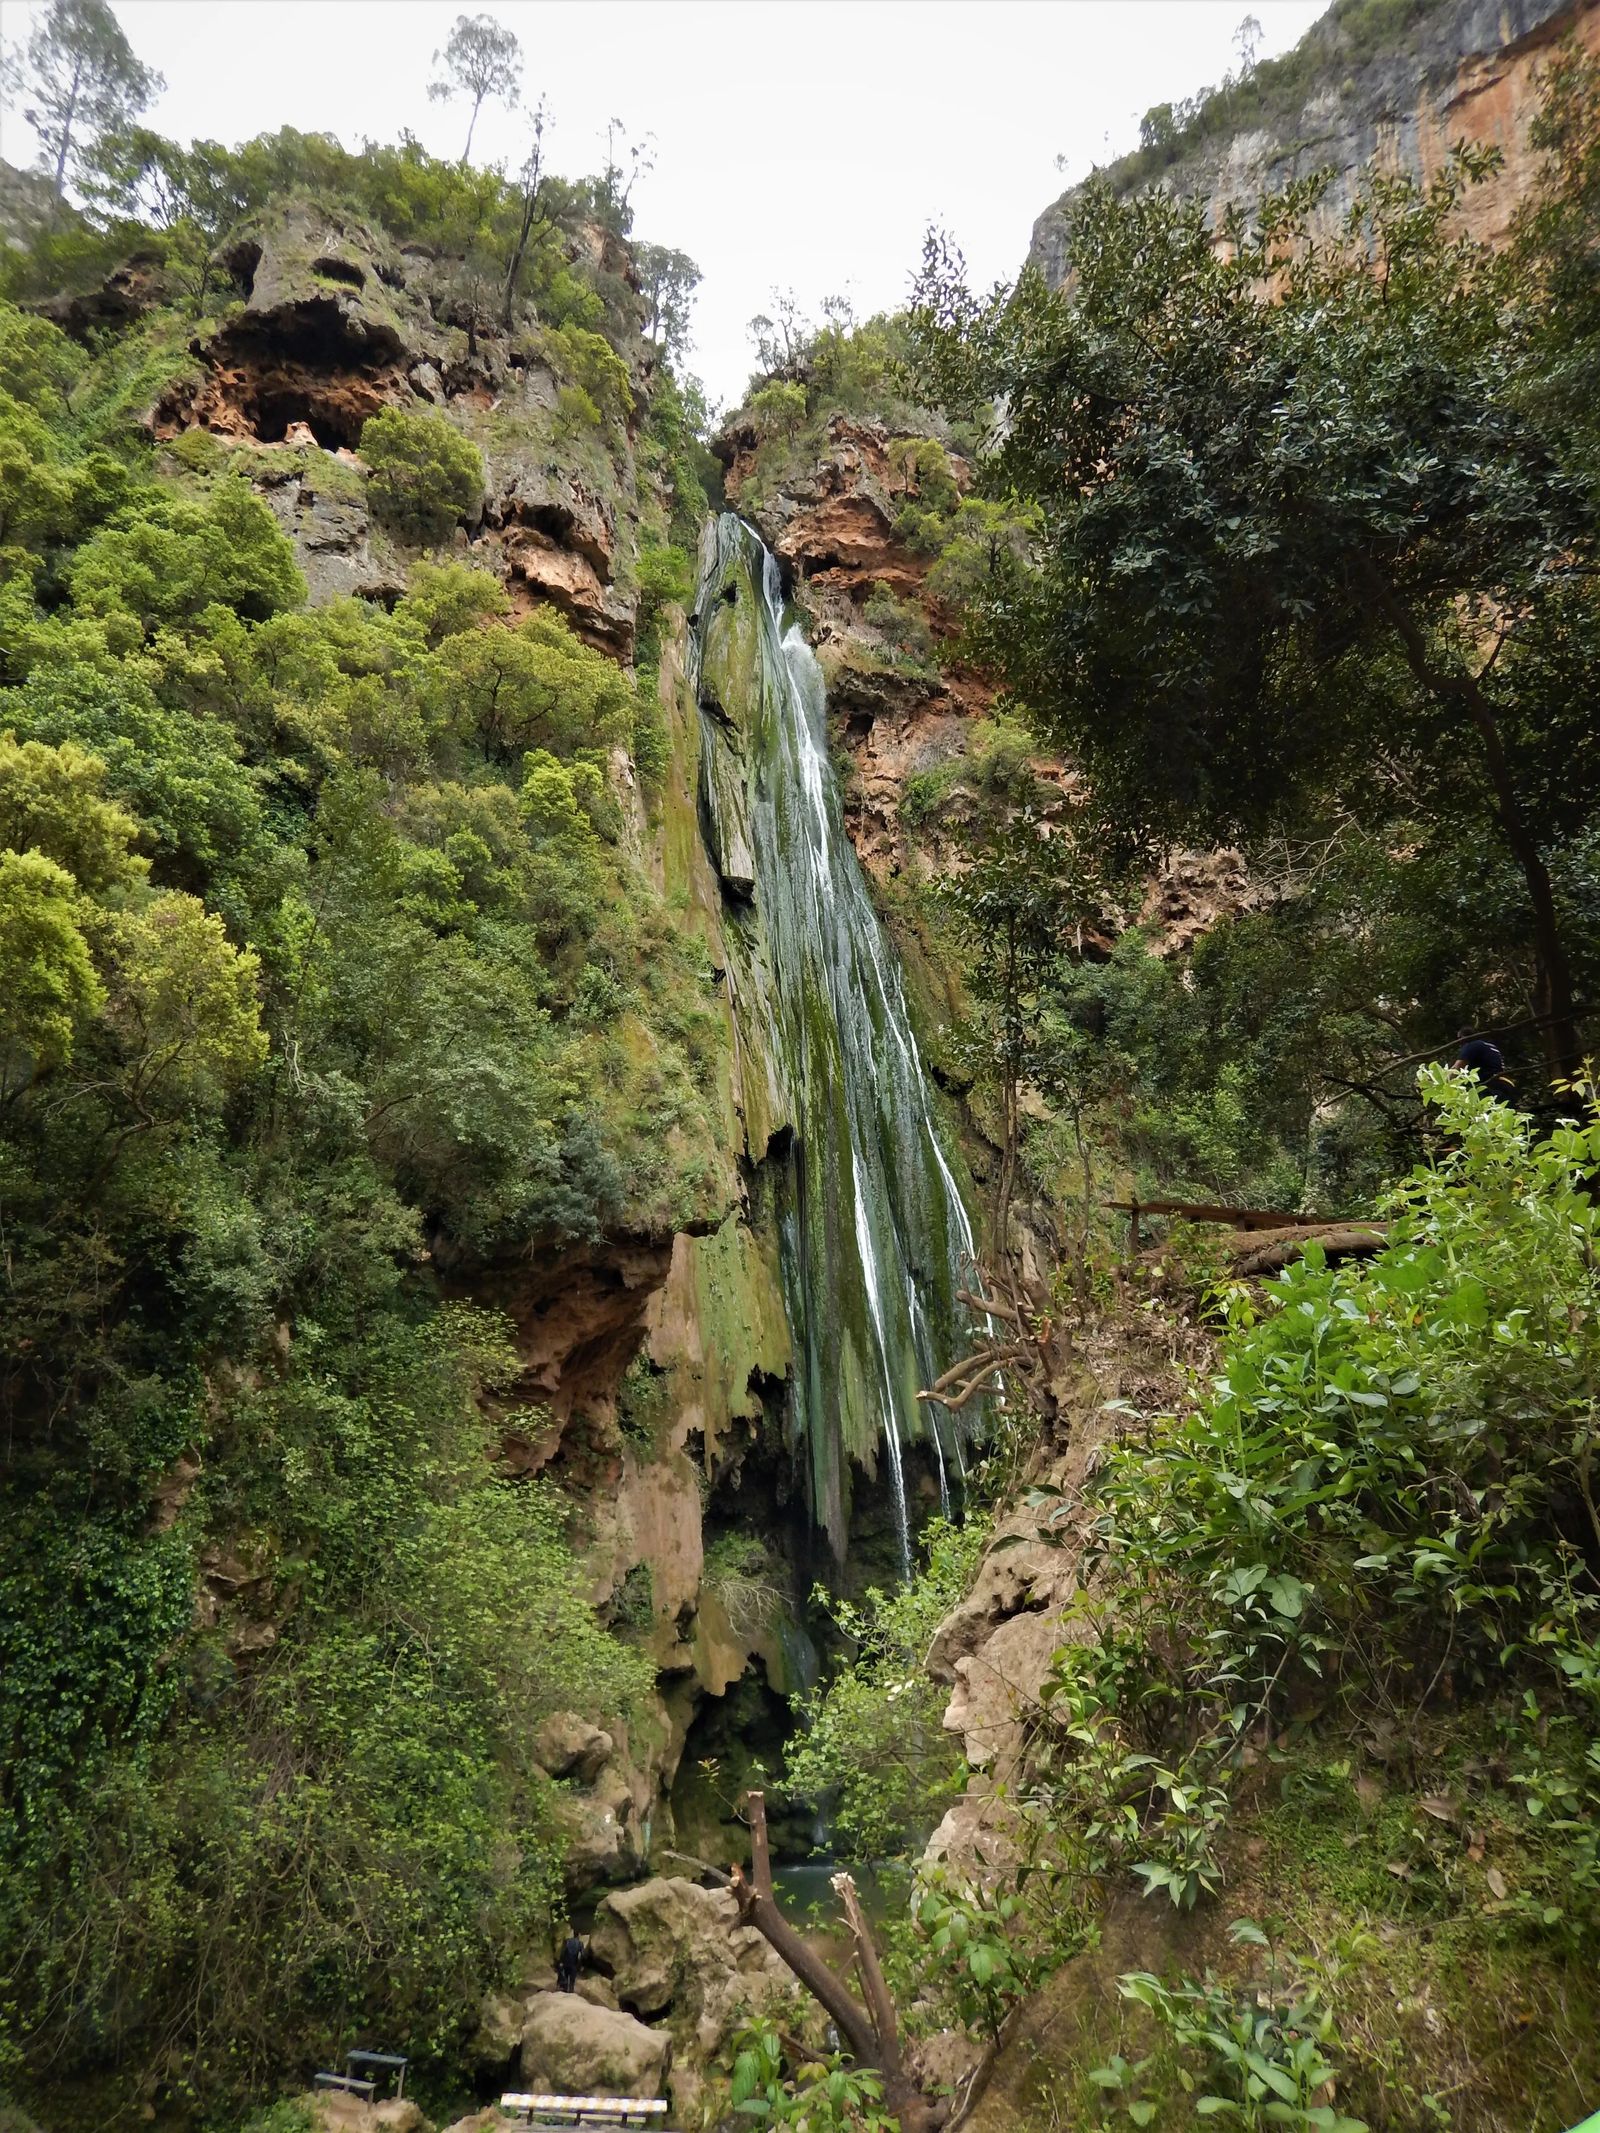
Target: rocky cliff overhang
[[325, 336], [333, 323]]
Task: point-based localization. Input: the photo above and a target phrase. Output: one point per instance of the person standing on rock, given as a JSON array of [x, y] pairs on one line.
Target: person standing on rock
[[568, 1961]]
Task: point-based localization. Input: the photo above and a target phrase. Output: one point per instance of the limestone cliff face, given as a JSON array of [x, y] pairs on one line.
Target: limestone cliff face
[[334, 322], [1467, 70]]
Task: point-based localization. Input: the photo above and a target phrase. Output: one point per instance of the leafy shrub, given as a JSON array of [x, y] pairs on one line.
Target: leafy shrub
[[872, 1742], [425, 477], [1390, 1482], [593, 370], [1406, 1438], [821, 2095], [1264, 2052]]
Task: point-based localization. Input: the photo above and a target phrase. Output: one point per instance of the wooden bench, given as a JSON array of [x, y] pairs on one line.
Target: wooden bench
[[351, 2083], [586, 2111]]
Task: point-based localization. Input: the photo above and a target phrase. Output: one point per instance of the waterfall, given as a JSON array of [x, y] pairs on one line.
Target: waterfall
[[871, 1225]]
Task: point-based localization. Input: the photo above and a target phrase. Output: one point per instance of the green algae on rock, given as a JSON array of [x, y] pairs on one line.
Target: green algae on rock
[[872, 1228]]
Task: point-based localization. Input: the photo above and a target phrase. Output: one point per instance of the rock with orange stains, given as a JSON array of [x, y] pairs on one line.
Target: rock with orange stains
[[1467, 71]]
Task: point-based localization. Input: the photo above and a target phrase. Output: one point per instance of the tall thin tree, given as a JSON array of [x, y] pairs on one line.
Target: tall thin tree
[[533, 209], [80, 78], [481, 59]]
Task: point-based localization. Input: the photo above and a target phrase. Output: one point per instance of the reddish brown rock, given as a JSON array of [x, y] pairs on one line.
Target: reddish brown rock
[[1463, 71]]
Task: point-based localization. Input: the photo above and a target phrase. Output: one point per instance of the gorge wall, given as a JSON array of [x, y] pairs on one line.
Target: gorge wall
[[660, 1364], [1459, 70]]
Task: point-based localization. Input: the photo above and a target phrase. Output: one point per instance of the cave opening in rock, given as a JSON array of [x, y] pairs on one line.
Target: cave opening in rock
[[340, 270], [733, 1741], [331, 420]]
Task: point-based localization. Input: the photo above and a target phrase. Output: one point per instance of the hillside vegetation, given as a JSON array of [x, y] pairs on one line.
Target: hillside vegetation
[[330, 975]]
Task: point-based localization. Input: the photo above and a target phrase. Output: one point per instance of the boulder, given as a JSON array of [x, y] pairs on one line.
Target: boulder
[[603, 1838], [569, 1746], [499, 2032], [655, 1938], [574, 2049], [337, 2111], [996, 1692], [677, 1950], [398, 2114]]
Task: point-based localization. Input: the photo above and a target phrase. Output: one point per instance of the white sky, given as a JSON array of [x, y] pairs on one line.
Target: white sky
[[799, 143]]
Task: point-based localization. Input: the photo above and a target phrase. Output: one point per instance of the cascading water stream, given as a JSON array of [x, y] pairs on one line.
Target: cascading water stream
[[872, 1227]]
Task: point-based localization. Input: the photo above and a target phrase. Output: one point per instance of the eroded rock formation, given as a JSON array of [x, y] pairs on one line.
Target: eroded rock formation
[[334, 323], [832, 525]]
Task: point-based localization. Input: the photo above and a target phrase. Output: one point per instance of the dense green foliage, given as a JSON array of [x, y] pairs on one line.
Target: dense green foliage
[[425, 476], [1380, 1516], [1310, 574], [870, 1744], [326, 971]]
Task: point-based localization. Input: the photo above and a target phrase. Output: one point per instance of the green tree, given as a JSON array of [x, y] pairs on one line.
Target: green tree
[[535, 686], [534, 214], [185, 1001], [426, 477], [38, 364], [51, 802], [667, 282], [83, 80], [35, 490], [1289, 547], [1020, 907], [194, 196], [481, 59], [162, 561], [46, 972], [778, 409], [1554, 243]]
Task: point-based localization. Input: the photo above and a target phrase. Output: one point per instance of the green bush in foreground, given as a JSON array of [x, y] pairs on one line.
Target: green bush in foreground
[[1386, 1501]]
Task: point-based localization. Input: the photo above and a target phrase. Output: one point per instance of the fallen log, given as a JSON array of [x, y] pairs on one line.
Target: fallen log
[[1255, 1252], [1208, 1211]]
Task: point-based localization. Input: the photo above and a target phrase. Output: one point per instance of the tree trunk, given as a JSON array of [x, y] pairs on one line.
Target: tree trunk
[[871, 2038], [67, 118], [1552, 987], [530, 215], [1553, 1002]]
